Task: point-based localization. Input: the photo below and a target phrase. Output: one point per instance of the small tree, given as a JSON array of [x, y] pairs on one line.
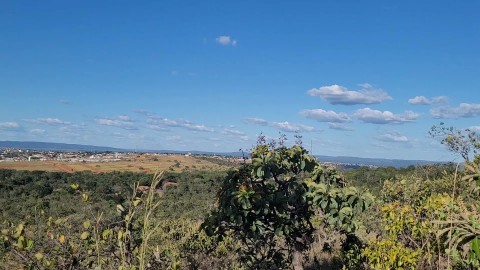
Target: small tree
[[269, 204], [462, 142]]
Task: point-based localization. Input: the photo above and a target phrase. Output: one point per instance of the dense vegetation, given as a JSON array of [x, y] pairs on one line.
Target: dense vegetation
[[282, 211]]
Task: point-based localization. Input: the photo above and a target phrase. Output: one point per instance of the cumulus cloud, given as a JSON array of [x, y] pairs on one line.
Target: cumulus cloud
[[368, 115], [50, 121], [326, 116], [291, 127], [9, 125], [422, 100], [121, 121], [339, 127], [463, 110], [392, 137], [336, 94], [226, 40], [419, 100], [255, 121]]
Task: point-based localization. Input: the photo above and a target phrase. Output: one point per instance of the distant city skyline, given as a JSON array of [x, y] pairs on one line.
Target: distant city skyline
[[363, 79]]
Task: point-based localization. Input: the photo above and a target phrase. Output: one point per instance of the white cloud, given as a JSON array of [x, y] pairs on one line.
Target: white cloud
[[439, 100], [157, 127], [339, 127], [124, 118], [50, 121], [121, 121], [475, 128], [37, 131], [159, 123], [326, 116], [226, 40], [255, 121], [196, 127], [422, 100], [336, 94], [368, 115], [9, 125], [463, 110], [229, 131], [392, 137], [235, 133], [419, 100], [291, 127]]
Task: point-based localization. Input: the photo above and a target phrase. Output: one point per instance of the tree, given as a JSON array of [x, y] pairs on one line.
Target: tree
[[269, 205], [462, 142]]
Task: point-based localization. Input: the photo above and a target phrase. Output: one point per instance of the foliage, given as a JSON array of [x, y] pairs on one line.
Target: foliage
[[281, 211], [431, 222], [462, 142], [269, 205], [95, 244], [389, 254], [194, 195], [139, 232]]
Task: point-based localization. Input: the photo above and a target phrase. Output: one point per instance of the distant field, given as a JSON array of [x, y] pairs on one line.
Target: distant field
[[149, 164]]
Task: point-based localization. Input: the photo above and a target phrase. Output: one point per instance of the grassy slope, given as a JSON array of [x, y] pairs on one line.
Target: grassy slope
[[139, 164]]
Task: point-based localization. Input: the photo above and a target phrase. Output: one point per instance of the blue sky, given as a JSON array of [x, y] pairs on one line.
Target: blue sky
[[356, 78]]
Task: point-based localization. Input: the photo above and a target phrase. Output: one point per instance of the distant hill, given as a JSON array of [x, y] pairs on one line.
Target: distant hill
[[381, 162], [66, 147], [47, 146]]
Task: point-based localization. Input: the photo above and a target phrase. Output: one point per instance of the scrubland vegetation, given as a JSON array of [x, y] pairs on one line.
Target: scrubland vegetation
[[283, 211]]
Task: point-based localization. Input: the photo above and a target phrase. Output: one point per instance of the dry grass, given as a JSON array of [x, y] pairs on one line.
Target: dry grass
[[139, 163]]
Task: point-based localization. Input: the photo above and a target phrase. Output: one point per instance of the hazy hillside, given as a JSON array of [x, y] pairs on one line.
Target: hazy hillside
[[80, 147]]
